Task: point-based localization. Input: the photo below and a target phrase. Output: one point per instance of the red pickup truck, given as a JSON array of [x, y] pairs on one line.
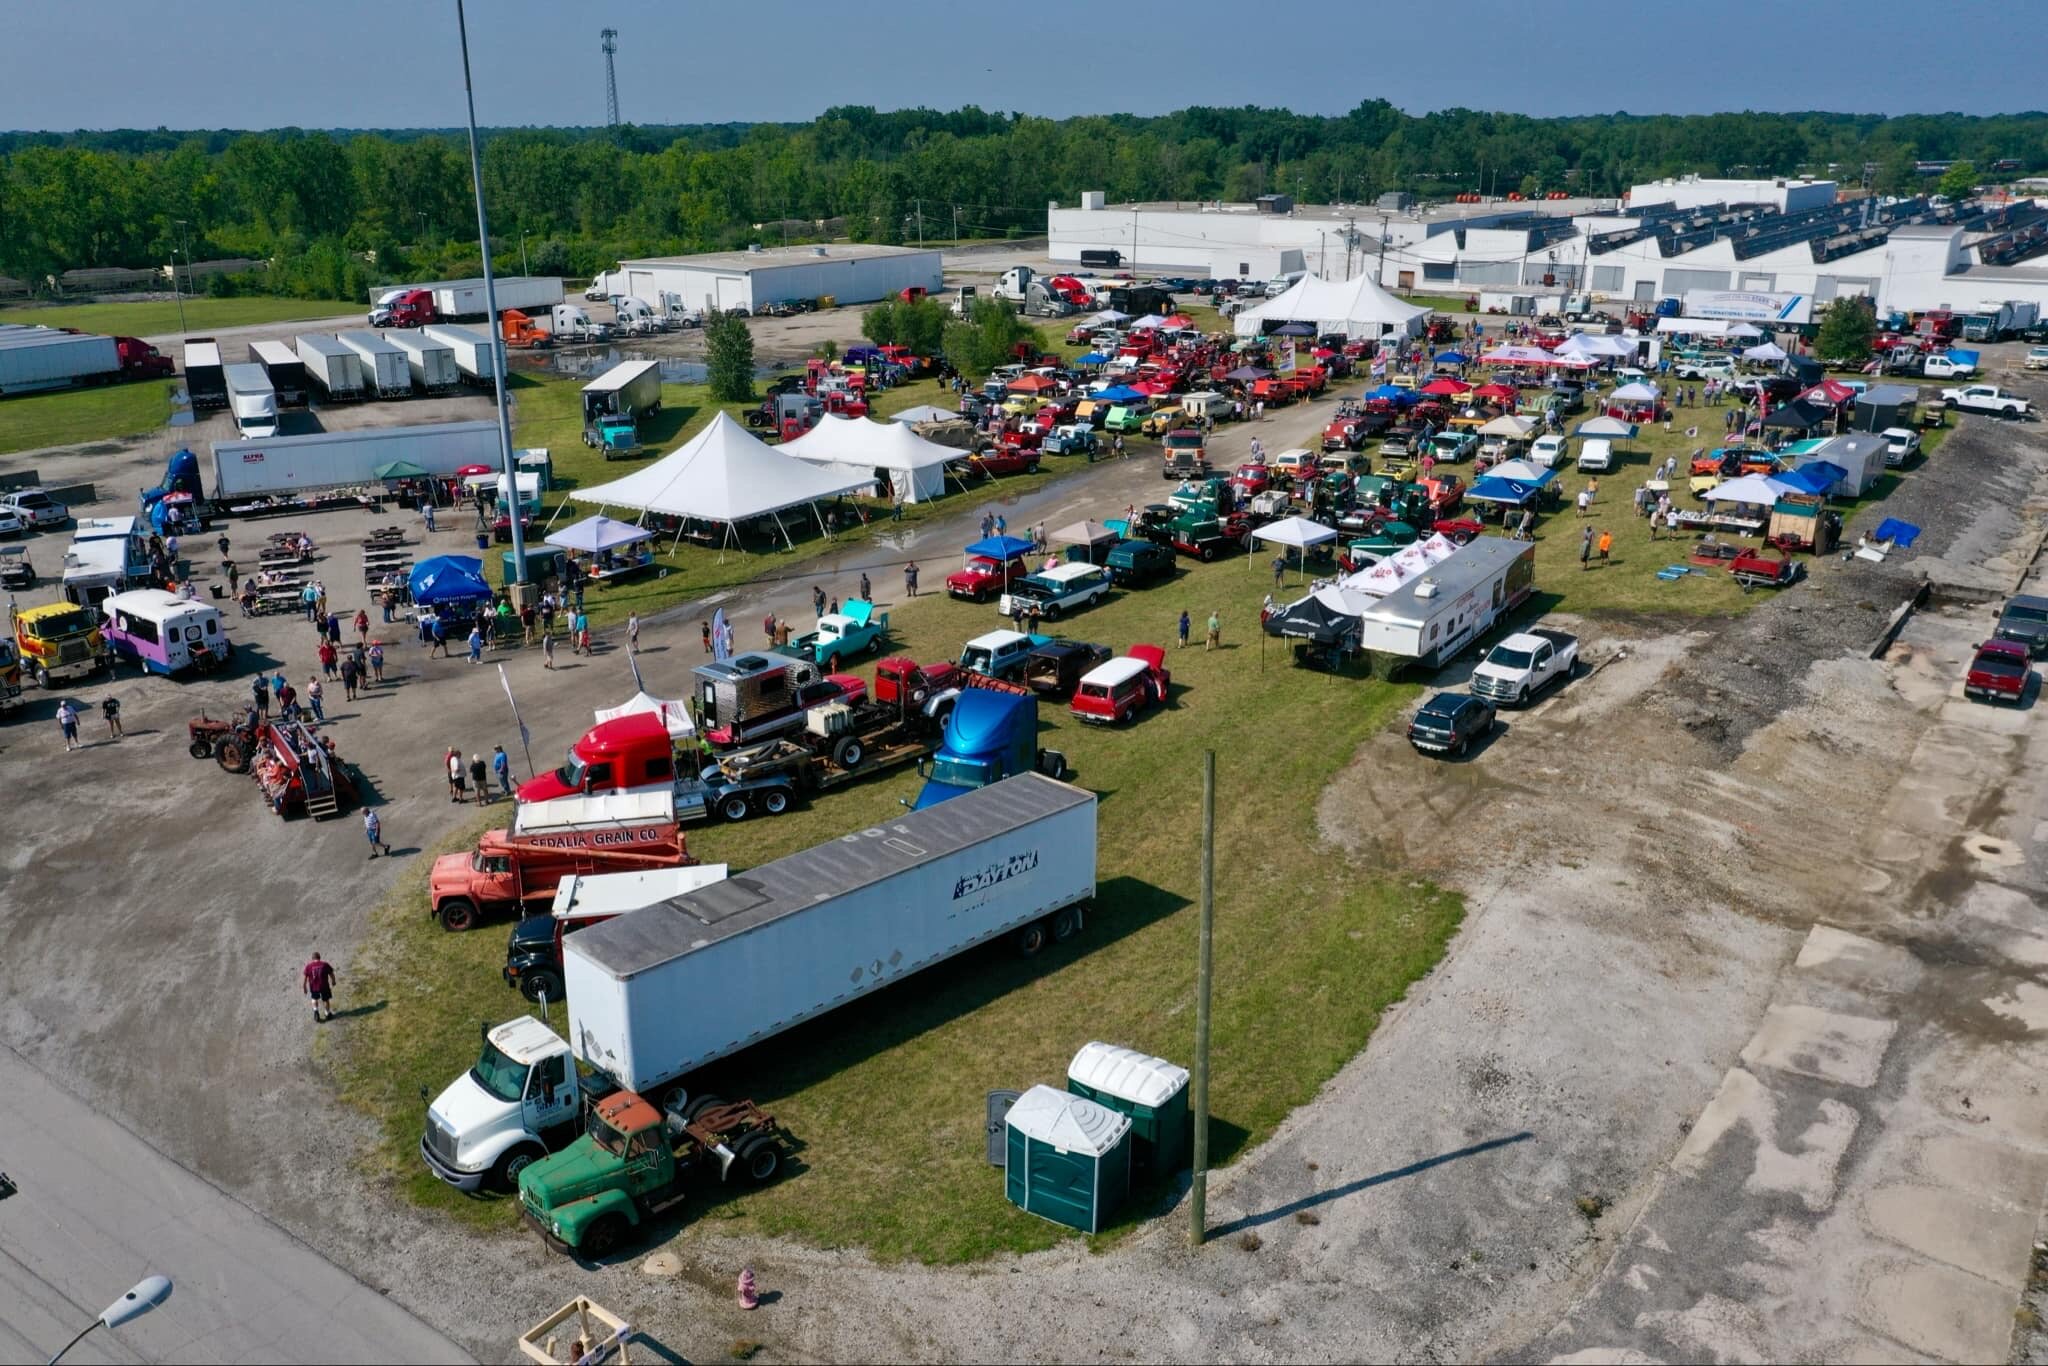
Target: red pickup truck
[[984, 575], [1010, 459], [1999, 672]]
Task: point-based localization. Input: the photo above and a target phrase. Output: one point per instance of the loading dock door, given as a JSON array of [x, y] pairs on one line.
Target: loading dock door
[[1405, 280]]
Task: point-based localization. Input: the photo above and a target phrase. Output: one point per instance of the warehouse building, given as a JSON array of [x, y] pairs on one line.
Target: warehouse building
[[847, 274]]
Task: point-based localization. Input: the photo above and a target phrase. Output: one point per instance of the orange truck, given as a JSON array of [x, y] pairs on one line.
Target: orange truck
[[519, 330], [516, 870]]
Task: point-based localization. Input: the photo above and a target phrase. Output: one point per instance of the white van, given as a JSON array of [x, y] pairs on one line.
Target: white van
[[1549, 452], [1056, 591], [1596, 456]]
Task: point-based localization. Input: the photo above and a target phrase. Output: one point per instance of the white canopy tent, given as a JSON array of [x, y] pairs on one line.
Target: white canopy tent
[[1768, 351], [925, 412], [725, 475], [675, 715], [1357, 308], [595, 535], [856, 447], [1597, 346], [1511, 426], [1298, 532], [1757, 490], [1637, 392]]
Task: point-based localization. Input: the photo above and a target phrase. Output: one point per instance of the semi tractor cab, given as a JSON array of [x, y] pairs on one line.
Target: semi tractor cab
[[59, 641], [519, 868], [989, 736], [625, 754]]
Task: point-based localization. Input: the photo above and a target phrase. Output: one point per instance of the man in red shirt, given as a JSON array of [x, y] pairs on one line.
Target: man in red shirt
[[317, 981]]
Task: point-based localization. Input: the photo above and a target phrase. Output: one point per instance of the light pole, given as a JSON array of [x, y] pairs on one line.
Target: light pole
[[421, 214], [524, 269], [148, 1293], [174, 288], [185, 234], [483, 237]]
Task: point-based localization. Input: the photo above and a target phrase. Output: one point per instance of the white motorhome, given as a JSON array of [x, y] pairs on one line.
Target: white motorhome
[[1432, 618]]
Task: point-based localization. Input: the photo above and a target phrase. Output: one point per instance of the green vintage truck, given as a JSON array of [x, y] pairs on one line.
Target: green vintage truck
[[632, 1162], [858, 629]]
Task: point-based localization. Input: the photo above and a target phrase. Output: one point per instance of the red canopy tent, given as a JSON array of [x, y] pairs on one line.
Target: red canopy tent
[[1446, 387], [1031, 384], [1832, 392], [1499, 391]]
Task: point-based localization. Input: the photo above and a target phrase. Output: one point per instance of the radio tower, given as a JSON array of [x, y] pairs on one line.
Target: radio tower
[[611, 80]]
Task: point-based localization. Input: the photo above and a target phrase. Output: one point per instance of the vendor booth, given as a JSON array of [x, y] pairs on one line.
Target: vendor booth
[[604, 551]]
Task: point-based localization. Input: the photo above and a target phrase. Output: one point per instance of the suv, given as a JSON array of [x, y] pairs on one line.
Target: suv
[[1449, 722], [2024, 621], [1900, 445], [35, 508], [1134, 562], [1703, 369], [1063, 588]]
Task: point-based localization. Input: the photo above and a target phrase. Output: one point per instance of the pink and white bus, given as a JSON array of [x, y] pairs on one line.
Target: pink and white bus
[[165, 633]]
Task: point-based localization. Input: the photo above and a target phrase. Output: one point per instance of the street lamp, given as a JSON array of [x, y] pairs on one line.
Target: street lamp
[[185, 226], [524, 269], [148, 1293], [175, 293]]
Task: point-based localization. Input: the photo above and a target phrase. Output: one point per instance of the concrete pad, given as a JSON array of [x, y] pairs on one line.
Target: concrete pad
[[1606, 1356], [1846, 1049], [1998, 1173], [2027, 1003], [1805, 1166], [1714, 1329], [2001, 1097], [1851, 960], [1991, 1240], [1937, 1310]]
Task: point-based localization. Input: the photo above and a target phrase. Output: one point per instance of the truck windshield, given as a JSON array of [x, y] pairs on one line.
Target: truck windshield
[[71, 621], [570, 774], [958, 772], [604, 1135], [1509, 659], [498, 1074], [2015, 612]]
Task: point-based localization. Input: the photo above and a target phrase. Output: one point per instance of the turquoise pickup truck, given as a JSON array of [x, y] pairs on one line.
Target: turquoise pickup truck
[[840, 636]]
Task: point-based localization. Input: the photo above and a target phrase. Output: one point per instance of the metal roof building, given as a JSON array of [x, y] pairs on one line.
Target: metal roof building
[[847, 273]]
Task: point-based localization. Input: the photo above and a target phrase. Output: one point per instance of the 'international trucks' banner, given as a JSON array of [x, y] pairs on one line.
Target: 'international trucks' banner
[[1742, 305]]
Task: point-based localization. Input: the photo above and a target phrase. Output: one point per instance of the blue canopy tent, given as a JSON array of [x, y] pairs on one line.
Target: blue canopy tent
[[1819, 476], [1450, 358], [1394, 393], [1092, 358], [449, 578], [1117, 393], [1001, 547], [1492, 488]]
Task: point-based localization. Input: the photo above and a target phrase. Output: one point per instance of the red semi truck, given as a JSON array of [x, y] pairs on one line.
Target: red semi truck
[[516, 870]]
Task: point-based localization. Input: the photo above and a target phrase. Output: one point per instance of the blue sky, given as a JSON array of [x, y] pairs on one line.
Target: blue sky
[[393, 63]]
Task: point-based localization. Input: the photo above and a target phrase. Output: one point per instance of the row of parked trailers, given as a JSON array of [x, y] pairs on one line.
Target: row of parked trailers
[[350, 366]]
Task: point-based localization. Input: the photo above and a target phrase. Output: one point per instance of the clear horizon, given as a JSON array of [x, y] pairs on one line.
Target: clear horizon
[[231, 64]]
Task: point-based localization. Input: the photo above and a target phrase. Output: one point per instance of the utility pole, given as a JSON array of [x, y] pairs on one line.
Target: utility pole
[[1134, 237], [187, 237], [1379, 270], [524, 269], [1198, 1193], [956, 225], [483, 237], [920, 221]]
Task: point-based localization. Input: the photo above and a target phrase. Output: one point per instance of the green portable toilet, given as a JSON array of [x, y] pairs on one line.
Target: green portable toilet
[[1152, 1091], [1068, 1159], [543, 562]]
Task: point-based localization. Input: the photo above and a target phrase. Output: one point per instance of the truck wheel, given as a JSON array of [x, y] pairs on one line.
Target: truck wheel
[[201, 749], [458, 913], [1522, 698], [42, 678], [1208, 553], [697, 1105], [1031, 939], [775, 801], [1948, 403], [230, 757], [542, 983], [1052, 611], [505, 1175], [1066, 923], [603, 1236], [761, 1158], [848, 753], [733, 808]]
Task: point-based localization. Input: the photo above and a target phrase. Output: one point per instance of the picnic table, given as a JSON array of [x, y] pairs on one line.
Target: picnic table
[[279, 600], [374, 574], [1718, 521], [386, 556], [279, 557]]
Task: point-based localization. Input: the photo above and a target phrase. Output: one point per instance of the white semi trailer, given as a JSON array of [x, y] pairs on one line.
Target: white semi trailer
[[430, 362], [385, 372]]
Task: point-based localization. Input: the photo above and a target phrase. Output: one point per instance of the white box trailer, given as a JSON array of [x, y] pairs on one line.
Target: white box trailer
[[385, 372], [328, 460], [465, 298], [287, 373], [1434, 617], [628, 389], [333, 371], [475, 357], [252, 402], [33, 358], [431, 362], [676, 985]]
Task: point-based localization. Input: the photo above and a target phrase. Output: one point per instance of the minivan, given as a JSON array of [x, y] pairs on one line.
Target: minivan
[[1056, 591]]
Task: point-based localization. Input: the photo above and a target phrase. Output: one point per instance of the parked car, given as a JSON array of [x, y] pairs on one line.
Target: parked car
[[1596, 456], [2037, 358], [1114, 692], [1999, 672], [1073, 439], [1524, 665], [1006, 460], [1453, 446], [1055, 668], [1900, 444], [1449, 722], [11, 524], [1985, 398], [1055, 592], [1133, 563], [2024, 621], [1550, 452]]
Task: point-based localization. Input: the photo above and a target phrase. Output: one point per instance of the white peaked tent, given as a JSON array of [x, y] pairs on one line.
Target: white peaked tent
[[1357, 308], [724, 474], [674, 715], [855, 448]]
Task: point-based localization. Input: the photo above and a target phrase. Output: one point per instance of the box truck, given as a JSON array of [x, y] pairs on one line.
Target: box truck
[[251, 401], [35, 358], [334, 373], [430, 362], [614, 402], [205, 384], [475, 357], [385, 373], [283, 368], [662, 991], [285, 465]]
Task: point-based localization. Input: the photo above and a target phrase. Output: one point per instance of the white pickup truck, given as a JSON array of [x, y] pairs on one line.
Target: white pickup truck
[[1985, 398], [2037, 358], [1524, 665]]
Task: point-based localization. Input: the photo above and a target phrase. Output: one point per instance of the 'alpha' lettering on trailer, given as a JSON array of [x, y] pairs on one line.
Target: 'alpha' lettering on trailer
[[1014, 866]]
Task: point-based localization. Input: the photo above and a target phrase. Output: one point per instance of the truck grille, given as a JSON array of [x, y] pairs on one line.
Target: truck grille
[[71, 652], [1486, 685], [440, 1142]]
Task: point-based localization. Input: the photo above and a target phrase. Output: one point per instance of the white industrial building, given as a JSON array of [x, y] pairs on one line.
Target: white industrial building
[[1668, 238], [848, 274]]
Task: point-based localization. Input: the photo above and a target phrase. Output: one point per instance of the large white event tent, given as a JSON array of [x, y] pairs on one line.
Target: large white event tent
[[1357, 308], [855, 447], [725, 475], [1597, 345]]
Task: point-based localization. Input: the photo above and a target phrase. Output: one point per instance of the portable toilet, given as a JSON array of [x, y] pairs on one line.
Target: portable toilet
[[1151, 1091], [1069, 1159]]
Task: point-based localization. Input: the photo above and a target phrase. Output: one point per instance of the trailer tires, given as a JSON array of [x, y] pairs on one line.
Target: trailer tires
[[1031, 939], [1066, 923], [541, 984], [733, 808], [775, 801], [761, 1158], [458, 913]]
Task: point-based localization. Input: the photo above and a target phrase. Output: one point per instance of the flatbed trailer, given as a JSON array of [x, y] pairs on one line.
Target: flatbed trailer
[[770, 777]]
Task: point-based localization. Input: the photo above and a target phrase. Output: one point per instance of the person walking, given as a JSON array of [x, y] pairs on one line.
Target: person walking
[[327, 655], [547, 649], [377, 660], [1002, 525], [313, 699], [427, 513], [440, 639], [547, 611], [1656, 520], [480, 778], [234, 576], [1605, 544], [67, 722], [768, 629], [1528, 529], [581, 623], [867, 592], [1215, 638], [362, 623], [476, 645], [1279, 569], [333, 627], [910, 579], [452, 762], [110, 708], [502, 768], [373, 831], [1585, 501], [259, 693], [817, 600], [633, 632], [317, 980], [1585, 550], [350, 672], [527, 617], [287, 702], [1183, 628], [704, 633]]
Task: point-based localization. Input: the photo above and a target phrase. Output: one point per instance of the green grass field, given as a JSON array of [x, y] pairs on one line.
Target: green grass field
[[885, 1095], [33, 421], [160, 317]]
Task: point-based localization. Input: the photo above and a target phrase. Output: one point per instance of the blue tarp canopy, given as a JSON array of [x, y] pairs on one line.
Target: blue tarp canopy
[[449, 578], [1092, 358], [1117, 393], [1450, 358], [1900, 534], [1491, 488], [594, 535], [1817, 476], [1001, 547], [1394, 393]]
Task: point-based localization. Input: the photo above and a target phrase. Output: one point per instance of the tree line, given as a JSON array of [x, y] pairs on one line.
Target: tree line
[[335, 211]]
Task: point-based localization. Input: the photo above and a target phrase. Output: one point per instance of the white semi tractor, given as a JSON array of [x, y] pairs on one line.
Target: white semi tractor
[[660, 993]]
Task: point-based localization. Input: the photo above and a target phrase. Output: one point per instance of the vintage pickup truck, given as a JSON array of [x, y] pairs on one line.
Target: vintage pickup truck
[[859, 629]]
